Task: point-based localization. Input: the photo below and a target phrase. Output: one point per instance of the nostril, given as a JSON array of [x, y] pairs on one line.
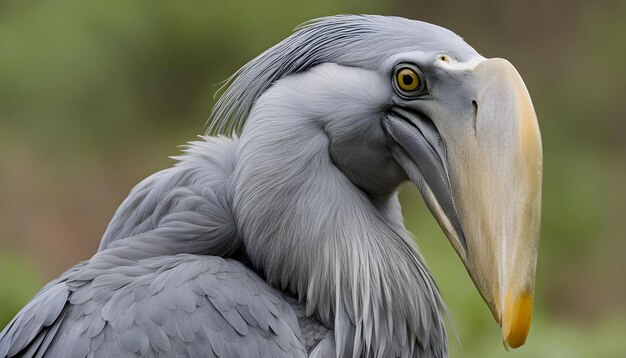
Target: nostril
[[475, 106]]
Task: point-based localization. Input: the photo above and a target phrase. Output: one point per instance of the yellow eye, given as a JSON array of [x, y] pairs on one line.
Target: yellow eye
[[407, 79]]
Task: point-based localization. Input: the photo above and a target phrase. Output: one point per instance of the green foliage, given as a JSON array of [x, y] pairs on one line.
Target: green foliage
[[19, 282], [87, 74]]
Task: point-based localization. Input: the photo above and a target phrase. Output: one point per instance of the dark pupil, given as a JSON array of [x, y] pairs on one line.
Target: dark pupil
[[407, 79]]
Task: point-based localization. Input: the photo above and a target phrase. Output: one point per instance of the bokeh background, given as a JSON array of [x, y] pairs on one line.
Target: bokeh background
[[95, 95]]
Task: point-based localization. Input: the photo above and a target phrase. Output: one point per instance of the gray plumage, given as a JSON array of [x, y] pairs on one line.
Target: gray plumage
[[152, 289], [359, 41], [266, 243]]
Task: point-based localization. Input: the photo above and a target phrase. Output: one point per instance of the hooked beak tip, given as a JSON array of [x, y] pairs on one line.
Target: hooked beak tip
[[516, 319]]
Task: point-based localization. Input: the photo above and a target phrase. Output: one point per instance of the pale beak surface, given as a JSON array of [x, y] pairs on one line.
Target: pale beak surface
[[479, 168]]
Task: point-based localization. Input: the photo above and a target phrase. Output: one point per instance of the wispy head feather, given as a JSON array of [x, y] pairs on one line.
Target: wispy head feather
[[352, 40]]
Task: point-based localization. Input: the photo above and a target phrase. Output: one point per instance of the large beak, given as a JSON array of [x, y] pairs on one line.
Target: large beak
[[477, 160]]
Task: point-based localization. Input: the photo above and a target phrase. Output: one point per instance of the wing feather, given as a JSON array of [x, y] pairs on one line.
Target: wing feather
[[107, 319]]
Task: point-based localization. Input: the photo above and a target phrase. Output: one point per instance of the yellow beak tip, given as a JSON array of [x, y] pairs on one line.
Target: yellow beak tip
[[516, 319]]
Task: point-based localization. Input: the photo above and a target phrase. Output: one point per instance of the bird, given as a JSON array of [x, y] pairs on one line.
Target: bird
[[279, 232]]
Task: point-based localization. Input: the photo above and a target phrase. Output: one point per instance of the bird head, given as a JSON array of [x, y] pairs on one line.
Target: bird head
[[405, 100]]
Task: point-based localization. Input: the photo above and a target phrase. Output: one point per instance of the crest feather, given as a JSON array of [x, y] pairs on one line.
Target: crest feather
[[350, 40]]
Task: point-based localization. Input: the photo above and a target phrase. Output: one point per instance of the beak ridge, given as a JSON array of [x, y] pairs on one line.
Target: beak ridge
[[506, 195]]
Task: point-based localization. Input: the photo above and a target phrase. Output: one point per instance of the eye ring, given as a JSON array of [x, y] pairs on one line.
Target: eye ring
[[408, 80]]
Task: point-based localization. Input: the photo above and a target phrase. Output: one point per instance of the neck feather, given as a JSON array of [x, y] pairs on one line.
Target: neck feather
[[314, 233]]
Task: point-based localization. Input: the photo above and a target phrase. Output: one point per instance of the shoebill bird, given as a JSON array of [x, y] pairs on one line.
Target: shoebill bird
[[284, 237]]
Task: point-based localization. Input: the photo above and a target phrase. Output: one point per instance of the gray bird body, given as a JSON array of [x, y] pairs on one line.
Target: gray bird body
[[284, 240], [158, 285]]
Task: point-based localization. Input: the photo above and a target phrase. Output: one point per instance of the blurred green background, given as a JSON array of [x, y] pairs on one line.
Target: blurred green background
[[95, 95]]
